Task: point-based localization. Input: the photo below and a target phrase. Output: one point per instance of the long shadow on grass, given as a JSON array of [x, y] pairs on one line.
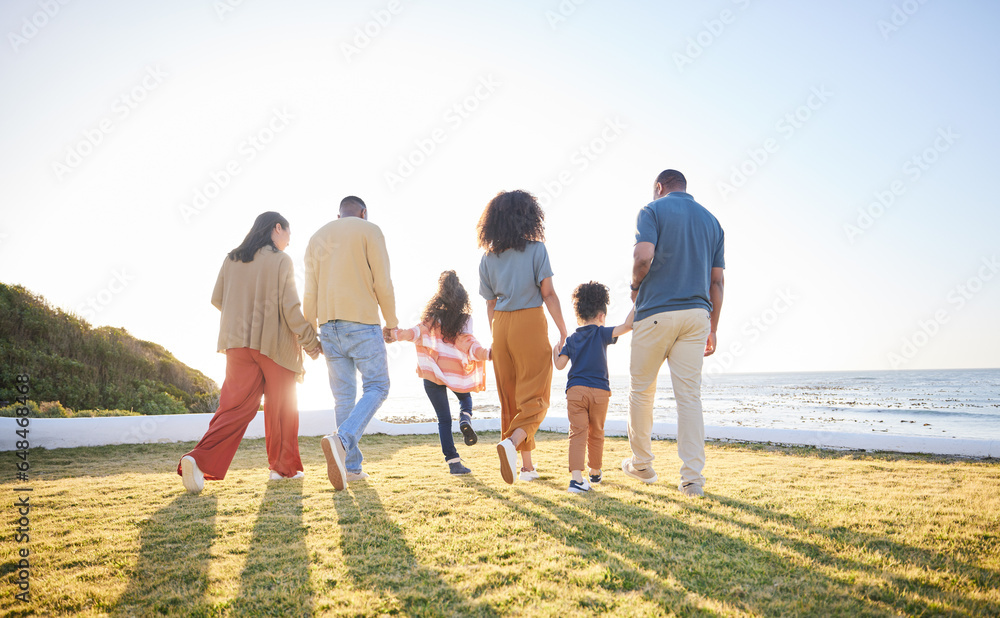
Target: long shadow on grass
[[275, 579], [672, 563], [171, 574], [98, 461], [899, 595], [378, 559]]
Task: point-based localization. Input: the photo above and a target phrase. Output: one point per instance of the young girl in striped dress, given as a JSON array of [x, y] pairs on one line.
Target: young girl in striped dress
[[449, 358]]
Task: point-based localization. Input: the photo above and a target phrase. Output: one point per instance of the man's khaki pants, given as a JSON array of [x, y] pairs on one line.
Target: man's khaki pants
[[677, 337]]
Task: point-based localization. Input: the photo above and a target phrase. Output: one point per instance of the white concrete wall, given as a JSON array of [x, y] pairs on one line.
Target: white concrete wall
[[71, 432]]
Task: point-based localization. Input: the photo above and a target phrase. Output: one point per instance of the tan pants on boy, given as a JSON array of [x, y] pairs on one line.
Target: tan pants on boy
[[586, 407]]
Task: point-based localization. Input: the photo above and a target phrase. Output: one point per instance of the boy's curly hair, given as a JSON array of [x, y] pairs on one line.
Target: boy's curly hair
[[510, 220], [450, 308], [590, 299]]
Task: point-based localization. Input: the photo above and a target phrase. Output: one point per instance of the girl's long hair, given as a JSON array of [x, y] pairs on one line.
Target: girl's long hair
[[259, 235], [450, 308]]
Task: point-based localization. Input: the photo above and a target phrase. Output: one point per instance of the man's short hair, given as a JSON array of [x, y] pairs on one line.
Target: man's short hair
[[351, 202], [672, 178]]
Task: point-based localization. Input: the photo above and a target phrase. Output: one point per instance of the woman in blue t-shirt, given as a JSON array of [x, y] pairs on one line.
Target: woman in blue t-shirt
[[515, 278]]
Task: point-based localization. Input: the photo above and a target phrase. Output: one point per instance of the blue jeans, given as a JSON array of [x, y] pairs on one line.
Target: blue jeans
[[350, 347], [438, 395]]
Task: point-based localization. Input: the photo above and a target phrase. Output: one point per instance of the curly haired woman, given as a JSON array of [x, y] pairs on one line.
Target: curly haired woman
[[515, 278]]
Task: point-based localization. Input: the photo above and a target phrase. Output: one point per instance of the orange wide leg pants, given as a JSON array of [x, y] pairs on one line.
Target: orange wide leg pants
[[522, 363], [250, 374]]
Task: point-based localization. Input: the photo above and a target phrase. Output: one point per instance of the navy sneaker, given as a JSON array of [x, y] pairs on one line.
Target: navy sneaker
[[578, 487], [456, 467], [596, 478], [465, 424]]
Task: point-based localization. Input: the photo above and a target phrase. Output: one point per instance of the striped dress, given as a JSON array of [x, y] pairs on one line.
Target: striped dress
[[461, 366]]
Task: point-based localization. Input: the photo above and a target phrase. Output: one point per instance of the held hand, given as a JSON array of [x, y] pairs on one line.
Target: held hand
[[710, 345], [489, 354], [314, 352], [388, 335]]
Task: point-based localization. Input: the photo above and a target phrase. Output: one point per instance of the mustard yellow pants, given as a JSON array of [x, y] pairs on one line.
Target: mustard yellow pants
[[522, 363]]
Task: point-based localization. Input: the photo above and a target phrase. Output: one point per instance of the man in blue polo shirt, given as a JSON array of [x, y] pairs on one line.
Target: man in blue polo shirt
[[677, 285]]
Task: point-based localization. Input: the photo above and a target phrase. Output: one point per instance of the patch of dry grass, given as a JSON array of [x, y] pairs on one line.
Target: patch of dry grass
[[782, 532]]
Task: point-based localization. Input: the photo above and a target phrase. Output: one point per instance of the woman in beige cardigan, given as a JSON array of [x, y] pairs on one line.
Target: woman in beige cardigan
[[262, 334]]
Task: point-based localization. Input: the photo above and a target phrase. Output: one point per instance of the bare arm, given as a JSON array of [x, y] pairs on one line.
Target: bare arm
[[626, 327], [559, 360], [715, 294], [555, 309], [490, 308], [402, 334], [642, 259]]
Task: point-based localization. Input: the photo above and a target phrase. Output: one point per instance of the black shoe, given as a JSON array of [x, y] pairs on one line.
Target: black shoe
[[596, 478], [456, 467], [469, 433]]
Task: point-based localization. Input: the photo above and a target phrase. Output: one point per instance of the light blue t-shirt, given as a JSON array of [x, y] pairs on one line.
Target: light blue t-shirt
[[689, 243], [512, 278]]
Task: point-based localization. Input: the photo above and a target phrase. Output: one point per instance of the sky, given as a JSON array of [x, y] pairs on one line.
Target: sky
[[848, 150]]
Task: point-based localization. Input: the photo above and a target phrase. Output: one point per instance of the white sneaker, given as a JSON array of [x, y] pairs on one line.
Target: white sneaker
[[356, 476], [529, 475], [508, 460], [333, 450], [194, 480], [277, 477]]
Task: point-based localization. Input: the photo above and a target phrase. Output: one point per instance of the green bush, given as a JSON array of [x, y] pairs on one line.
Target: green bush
[[84, 368], [11, 410], [53, 409]]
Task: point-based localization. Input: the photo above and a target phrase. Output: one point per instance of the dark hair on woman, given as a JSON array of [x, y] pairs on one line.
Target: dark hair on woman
[[589, 299], [450, 308], [260, 235], [510, 220]]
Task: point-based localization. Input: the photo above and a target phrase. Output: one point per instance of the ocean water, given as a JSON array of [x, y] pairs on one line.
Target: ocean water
[[952, 403]]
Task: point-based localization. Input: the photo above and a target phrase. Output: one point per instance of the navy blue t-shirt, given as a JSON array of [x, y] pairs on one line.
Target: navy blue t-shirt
[[587, 349]]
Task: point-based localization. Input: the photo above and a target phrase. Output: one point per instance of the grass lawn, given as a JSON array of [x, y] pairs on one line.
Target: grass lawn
[[781, 531]]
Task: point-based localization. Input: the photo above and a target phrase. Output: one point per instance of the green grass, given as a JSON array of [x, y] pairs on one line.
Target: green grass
[[782, 531]]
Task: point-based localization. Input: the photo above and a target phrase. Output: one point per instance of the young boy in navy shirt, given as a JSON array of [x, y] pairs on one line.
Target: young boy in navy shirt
[[588, 389]]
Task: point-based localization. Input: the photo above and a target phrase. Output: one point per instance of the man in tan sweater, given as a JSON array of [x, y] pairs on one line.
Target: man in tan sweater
[[347, 282]]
